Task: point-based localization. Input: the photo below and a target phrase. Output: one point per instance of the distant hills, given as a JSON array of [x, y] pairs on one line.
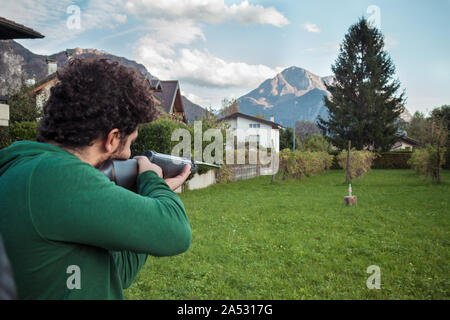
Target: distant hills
[[294, 94]]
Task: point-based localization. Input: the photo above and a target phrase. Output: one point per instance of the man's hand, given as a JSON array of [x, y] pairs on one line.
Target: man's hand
[[177, 181], [145, 165]]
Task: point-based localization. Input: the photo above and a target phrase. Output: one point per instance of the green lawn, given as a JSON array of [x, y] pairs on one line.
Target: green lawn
[[295, 239]]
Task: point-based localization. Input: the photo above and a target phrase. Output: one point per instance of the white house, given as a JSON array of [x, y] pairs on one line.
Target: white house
[[405, 143], [246, 128], [4, 111]]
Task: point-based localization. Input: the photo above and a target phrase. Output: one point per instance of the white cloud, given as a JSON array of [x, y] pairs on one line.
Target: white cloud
[[311, 27], [179, 31], [211, 11], [50, 18], [179, 22], [199, 67]]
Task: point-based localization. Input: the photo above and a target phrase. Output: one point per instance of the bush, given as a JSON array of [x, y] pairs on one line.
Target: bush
[[393, 160], [224, 174], [424, 161], [317, 143], [18, 131], [4, 137], [157, 136], [299, 164], [360, 162]]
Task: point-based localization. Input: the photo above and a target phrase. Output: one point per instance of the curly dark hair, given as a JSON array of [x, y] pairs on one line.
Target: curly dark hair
[[92, 97]]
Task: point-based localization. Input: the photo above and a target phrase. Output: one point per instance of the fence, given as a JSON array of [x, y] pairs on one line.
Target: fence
[[241, 172]]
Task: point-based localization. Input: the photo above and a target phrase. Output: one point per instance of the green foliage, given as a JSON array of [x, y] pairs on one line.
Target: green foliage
[[364, 106], [157, 136], [18, 131], [392, 160], [316, 143], [22, 105], [298, 165], [4, 137], [424, 161], [286, 139], [360, 162], [23, 131]]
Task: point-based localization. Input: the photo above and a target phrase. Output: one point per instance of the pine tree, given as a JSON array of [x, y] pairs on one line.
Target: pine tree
[[364, 106]]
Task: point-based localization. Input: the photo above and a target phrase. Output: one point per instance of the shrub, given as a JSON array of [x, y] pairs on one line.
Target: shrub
[[22, 131], [393, 160], [317, 143], [424, 161], [224, 174], [156, 136], [4, 137], [299, 164], [360, 162]]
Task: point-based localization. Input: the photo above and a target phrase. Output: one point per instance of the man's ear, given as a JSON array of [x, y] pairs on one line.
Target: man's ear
[[112, 141]]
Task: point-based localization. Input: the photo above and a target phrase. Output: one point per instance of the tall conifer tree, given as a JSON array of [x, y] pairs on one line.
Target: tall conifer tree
[[364, 106]]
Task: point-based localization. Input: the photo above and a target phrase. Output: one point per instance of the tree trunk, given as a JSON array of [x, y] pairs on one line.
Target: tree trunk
[[439, 161], [348, 177]]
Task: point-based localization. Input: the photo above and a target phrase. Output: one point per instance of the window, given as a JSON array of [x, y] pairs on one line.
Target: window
[[254, 125]]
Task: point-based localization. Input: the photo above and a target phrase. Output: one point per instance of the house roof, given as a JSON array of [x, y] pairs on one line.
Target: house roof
[[246, 116], [167, 95], [409, 140], [12, 30], [44, 82], [156, 85]]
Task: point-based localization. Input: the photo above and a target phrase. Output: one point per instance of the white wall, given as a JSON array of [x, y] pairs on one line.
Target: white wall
[[266, 134], [200, 181], [4, 115]]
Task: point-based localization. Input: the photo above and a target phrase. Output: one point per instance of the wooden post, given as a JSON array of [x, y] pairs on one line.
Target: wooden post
[[348, 177], [351, 200]]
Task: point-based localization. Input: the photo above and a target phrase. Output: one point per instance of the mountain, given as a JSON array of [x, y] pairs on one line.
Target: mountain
[[292, 95], [16, 60]]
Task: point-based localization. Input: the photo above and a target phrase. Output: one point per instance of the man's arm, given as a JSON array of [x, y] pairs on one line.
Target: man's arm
[[76, 203], [128, 265]]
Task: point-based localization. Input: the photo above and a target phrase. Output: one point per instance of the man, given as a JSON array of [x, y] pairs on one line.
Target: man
[[69, 232]]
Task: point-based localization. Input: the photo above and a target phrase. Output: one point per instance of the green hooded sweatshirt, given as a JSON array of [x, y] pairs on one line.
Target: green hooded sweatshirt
[[70, 233]]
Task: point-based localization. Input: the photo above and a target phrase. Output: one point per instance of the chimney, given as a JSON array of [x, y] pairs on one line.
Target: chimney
[[52, 66], [272, 118]]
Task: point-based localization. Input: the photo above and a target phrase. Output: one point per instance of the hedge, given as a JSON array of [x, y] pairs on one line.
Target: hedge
[[392, 160], [299, 164]]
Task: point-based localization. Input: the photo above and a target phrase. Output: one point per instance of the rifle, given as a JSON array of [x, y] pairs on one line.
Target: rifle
[[124, 172]]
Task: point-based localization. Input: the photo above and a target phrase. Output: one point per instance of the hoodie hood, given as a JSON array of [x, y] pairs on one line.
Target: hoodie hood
[[20, 150]]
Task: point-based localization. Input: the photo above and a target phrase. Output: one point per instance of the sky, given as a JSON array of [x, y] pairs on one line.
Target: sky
[[224, 49]]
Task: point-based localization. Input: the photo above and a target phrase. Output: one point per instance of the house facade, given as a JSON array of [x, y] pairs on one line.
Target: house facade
[[246, 128], [405, 143]]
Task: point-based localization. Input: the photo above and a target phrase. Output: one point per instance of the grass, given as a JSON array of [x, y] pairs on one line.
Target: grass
[[255, 239]]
